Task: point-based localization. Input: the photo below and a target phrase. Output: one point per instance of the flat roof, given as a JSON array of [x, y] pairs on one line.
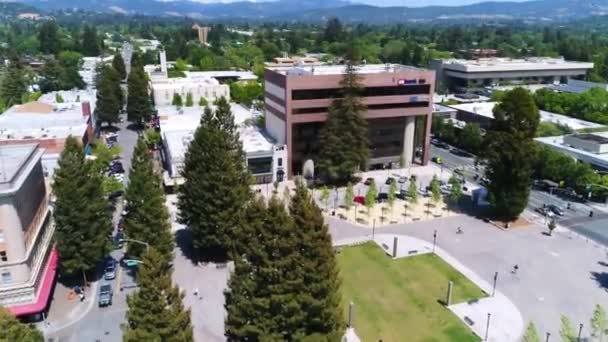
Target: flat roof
[[173, 117], [340, 69], [486, 109], [12, 159], [596, 138], [38, 120], [558, 144], [510, 64], [241, 75]]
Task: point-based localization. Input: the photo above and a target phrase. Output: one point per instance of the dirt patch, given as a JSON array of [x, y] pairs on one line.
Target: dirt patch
[[506, 225]]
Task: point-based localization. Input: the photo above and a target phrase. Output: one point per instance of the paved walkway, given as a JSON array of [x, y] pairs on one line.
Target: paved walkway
[[65, 310], [507, 325]]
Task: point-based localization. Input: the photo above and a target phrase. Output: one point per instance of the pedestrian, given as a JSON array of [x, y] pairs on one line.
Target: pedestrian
[[196, 292], [515, 268]]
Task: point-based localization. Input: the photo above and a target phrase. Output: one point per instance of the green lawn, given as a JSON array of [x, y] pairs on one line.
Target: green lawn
[[398, 300]]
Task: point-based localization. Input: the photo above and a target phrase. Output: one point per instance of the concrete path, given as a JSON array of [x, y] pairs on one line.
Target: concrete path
[[507, 325]]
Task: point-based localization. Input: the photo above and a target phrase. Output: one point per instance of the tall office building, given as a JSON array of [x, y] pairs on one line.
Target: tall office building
[[398, 100], [27, 260]]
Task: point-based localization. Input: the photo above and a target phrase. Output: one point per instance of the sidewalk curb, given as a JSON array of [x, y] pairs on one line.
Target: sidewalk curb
[[88, 309]]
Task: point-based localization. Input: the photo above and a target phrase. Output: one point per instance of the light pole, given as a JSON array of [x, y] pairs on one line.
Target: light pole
[[434, 240], [373, 229], [494, 286], [580, 331], [548, 335], [487, 326]]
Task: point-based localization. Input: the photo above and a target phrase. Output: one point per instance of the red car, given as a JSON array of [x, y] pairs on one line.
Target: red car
[[359, 199]]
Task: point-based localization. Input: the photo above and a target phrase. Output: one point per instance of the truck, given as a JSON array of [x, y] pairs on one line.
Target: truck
[[105, 295]]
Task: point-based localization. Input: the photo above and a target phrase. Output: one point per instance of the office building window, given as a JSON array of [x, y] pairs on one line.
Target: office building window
[[280, 162], [6, 277], [3, 257]]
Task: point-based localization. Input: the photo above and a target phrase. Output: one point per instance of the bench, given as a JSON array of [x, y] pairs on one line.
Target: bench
[[414, 251], [468, 320], [385, 246]]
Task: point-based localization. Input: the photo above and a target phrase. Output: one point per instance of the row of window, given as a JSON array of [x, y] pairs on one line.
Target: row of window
[[313, 110], [312, 94]]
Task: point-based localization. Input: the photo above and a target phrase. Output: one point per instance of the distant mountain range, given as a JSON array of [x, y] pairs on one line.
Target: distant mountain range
[[320, 10]]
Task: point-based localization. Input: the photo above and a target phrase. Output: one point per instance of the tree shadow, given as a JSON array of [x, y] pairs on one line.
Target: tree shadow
[[601, 278], [183, 239], [135, 127], [603, 263], [72, 280], [111, 129]]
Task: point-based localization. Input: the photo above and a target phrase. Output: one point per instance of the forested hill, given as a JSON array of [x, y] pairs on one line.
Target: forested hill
[[320, 10]]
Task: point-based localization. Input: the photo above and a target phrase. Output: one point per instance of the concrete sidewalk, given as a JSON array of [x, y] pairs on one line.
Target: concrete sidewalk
[[66, 310]]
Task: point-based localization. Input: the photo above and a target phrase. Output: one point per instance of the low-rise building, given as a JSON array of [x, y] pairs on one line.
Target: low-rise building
[[482, 113], [48, 125], [293, 61], [28, 263], [591, 148], [210, 89], [473, 75], [266, 161], [577, 86]]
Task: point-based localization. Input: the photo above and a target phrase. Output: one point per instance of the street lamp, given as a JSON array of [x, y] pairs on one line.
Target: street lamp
[[487, 326], [580, 331], [494, 286], [434, 240], [548, 335], [373, 229]]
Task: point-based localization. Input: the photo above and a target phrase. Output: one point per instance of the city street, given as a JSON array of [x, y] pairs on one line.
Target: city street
[[104, 324], [577, 218]]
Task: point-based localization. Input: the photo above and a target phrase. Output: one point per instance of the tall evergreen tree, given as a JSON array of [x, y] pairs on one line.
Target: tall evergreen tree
[[90, 42], [343, 138], [156, 311], [147, 217], [108, 104], [119, 65], [216, 184], [139, 107], [13, 330], [13, 85], [320, 298], [510, 153], [48, 36], [50, 77], [81, 217], [266, 281]]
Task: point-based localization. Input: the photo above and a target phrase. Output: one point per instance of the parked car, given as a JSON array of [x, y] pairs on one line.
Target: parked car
[[402, 179], [544, 211], [382, 197], [369, 181], [389, 181], [436, 160], [359, 199], [109, 271], [105, 295], [555, 209]]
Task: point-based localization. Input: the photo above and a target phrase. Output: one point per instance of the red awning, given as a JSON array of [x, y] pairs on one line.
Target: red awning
[[44, 290]]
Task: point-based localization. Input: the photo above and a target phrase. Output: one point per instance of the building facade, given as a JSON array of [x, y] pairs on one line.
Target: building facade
[[398, 100], [469, 75], [27, 260]]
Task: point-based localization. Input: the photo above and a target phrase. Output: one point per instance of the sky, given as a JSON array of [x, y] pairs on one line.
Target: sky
[[410, 3]]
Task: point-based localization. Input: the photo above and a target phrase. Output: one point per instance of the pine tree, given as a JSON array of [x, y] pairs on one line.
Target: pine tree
[[90, 42], [119, 65], [108, 104], [435, 190], [156, 311], [139, 107], [81, 217], [189, 101], [510, 152], [147, 217], [177, 100], [202, 102], [370, 197], [13, 85], [13, 330], [412, 192], [50, 77], [216, 184], [320, 298], [48, 37], [343, 138]]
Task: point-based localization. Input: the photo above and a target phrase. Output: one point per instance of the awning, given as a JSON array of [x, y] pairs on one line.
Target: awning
[[44, 289]]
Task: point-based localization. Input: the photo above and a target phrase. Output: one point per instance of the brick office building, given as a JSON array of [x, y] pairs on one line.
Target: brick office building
[[399, 108]]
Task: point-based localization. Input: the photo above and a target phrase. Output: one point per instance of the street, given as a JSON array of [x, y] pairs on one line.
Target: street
[[104, 324], [577, 218]]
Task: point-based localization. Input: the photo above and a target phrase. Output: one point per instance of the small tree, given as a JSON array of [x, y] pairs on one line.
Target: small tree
[[59, 98], [370, 197], [189, 101], [392, 195], [177, 100], [13, 330], [325, 196], [202, 102], [566, 330], [551, 225], [412, 192], [598, 321], [435, 190], [455, 191], [531, 334], [348, 196]]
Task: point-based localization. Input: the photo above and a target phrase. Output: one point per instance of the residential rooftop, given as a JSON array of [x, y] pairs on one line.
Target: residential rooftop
[[510, 64], [340, 69]]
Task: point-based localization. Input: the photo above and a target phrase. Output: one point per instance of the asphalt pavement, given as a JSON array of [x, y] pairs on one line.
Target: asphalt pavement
[[104, 324], [576, 218]]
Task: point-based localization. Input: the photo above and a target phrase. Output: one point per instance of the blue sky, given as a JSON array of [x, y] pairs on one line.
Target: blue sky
[[411, 3]]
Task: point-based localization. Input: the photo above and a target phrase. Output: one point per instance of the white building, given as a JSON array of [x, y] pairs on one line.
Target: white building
[[266, 161], [591, 148], [199, 87]]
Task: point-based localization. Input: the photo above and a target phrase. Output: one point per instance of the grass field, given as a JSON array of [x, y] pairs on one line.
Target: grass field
[[399, 300]]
